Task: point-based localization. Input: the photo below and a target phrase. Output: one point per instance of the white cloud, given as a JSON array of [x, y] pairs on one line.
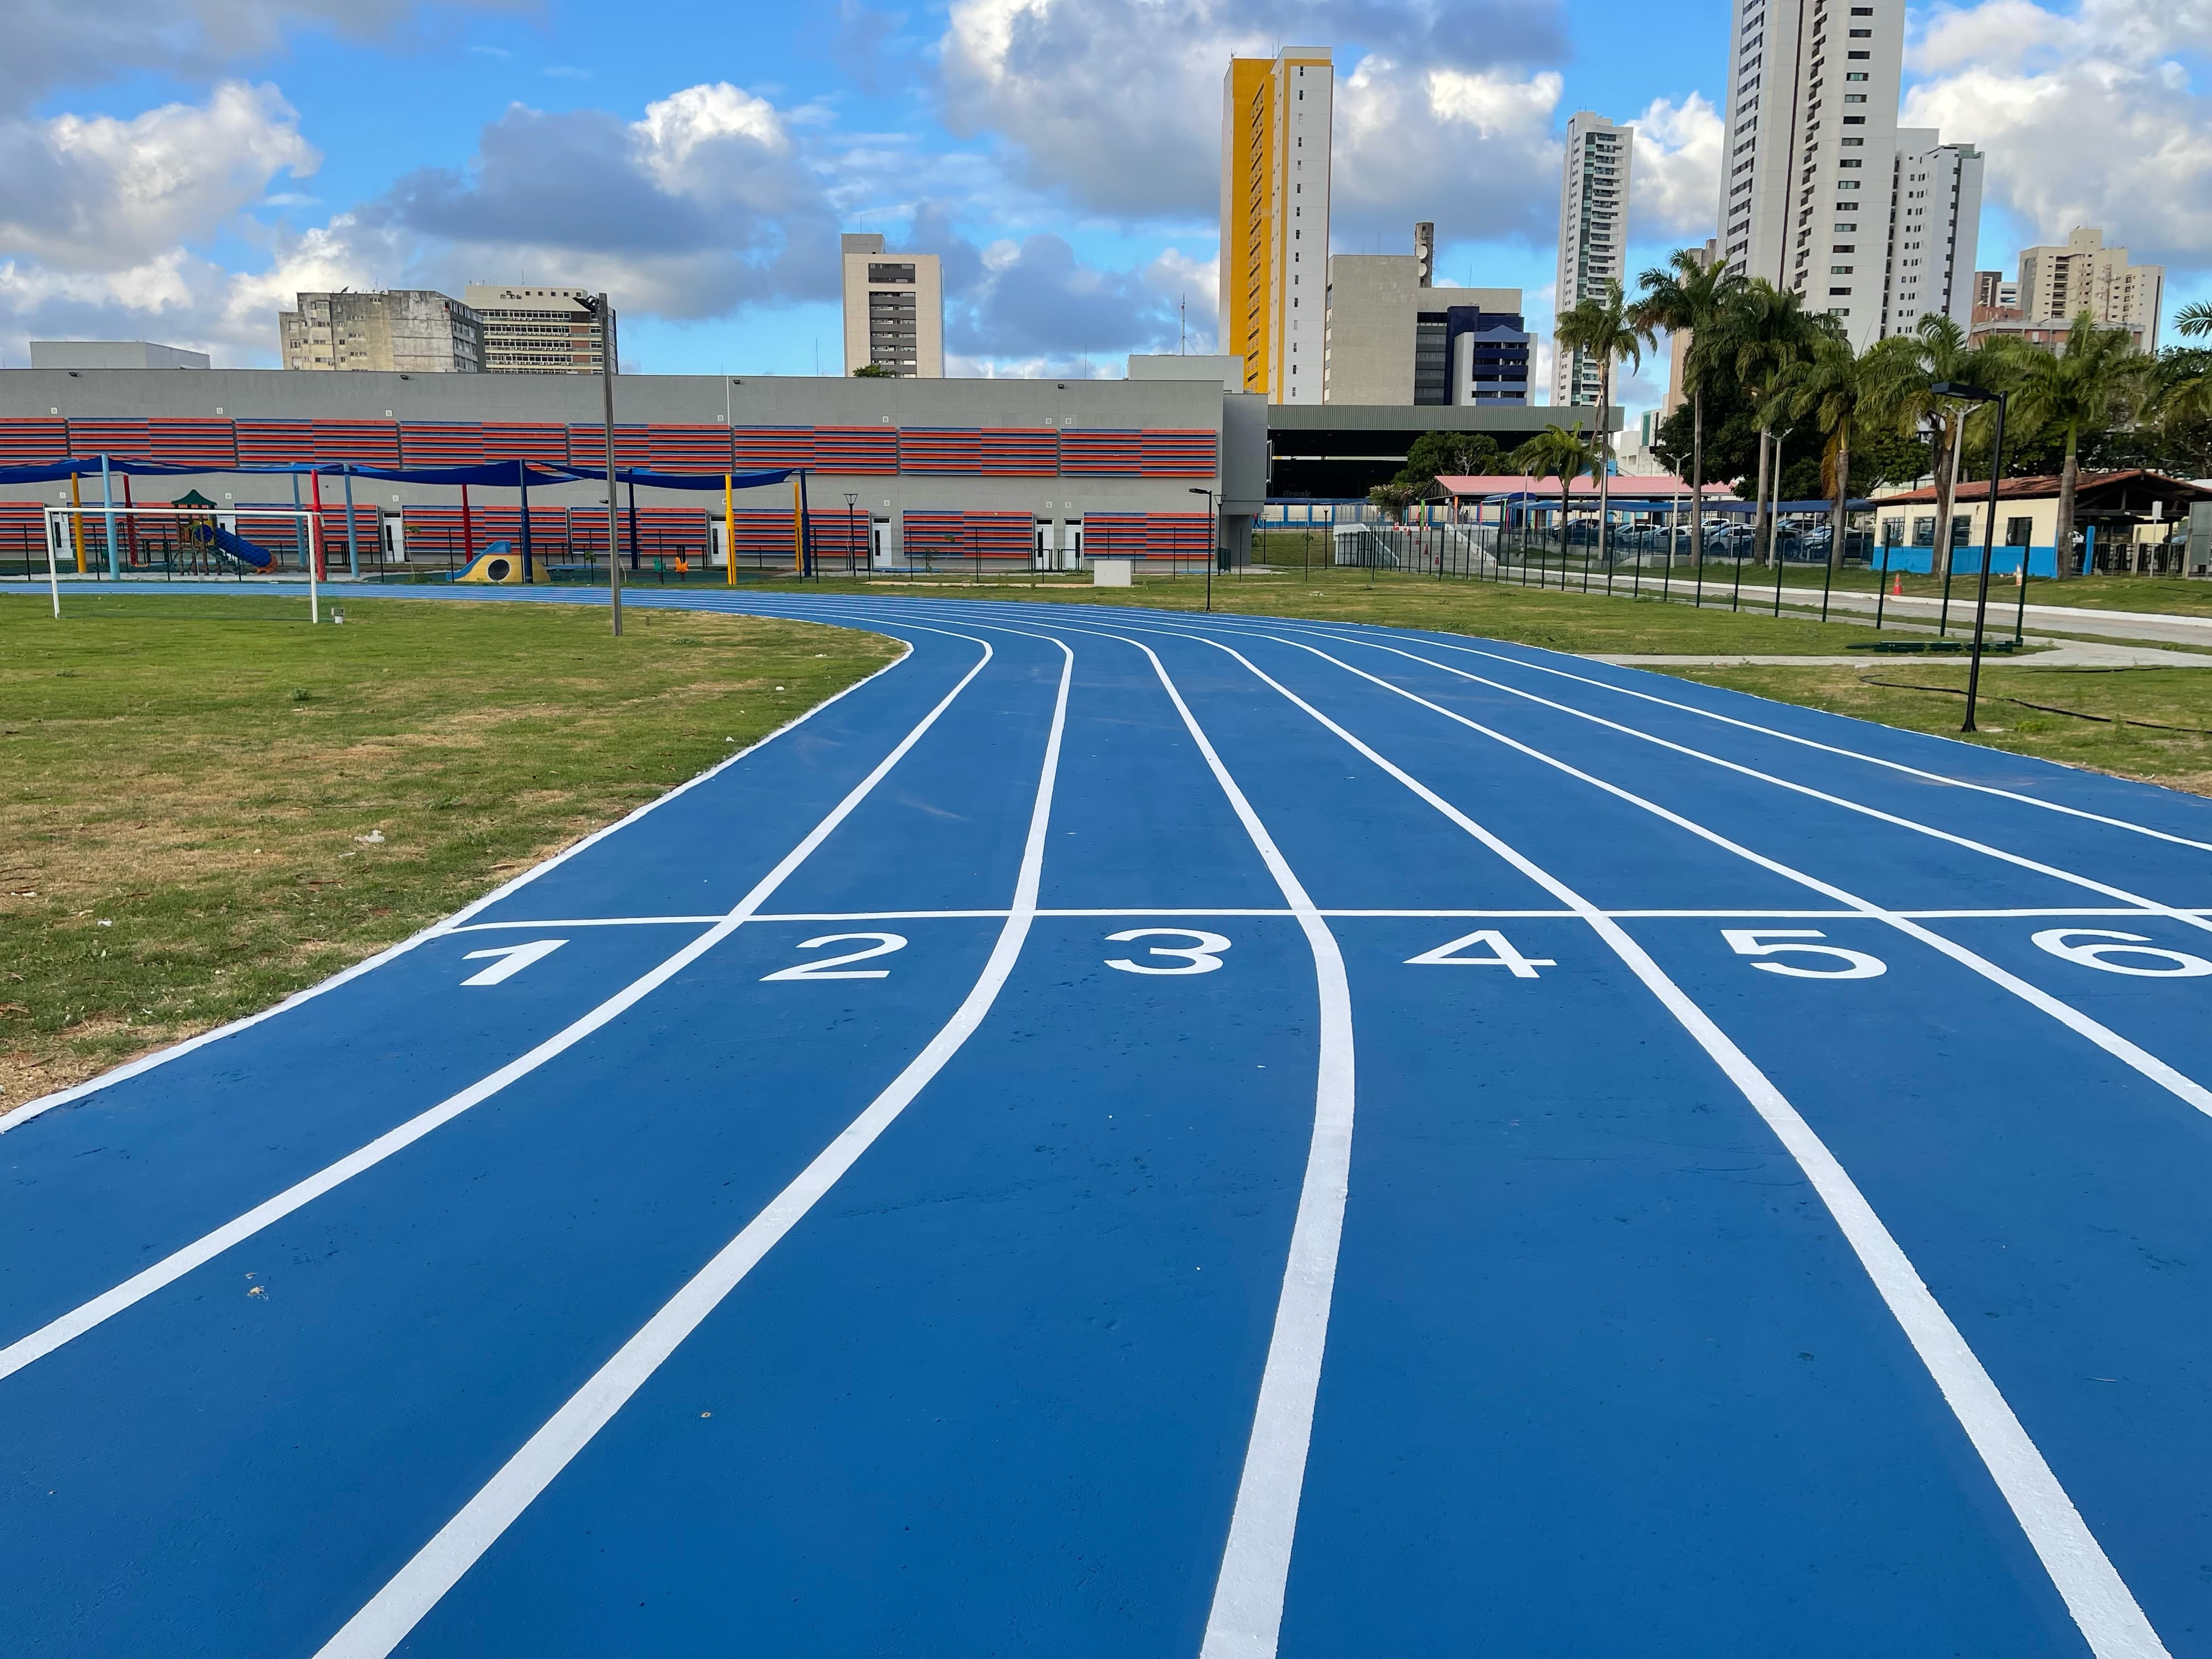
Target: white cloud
[[1675, 180]]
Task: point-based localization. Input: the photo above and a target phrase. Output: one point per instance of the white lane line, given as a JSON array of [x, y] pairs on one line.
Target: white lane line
[[386, 1620], [1810, 743], [2182, 1087], [1247, 1613], [16, 1117], [2103, 1607], [174, 1266], [2019, 860]]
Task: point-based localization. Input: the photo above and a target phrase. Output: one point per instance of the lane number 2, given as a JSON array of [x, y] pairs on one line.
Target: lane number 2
[[1502, 955], [880, 944], [1201, 955], [2162, 964], [512, 959], [1780, 941]]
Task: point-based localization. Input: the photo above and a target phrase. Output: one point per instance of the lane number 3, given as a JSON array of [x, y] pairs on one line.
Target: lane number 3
[[1201, 955], [879, 945], [1781, 941]]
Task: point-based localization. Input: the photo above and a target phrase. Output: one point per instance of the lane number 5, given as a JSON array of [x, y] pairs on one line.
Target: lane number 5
[[2162, 964], [1203, 956], [1777, 941]]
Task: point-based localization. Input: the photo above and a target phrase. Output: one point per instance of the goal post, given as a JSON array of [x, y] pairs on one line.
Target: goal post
[[210, 532]]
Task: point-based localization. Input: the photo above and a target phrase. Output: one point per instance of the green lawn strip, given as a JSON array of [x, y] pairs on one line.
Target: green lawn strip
[[205, 805], [1559, 620], [2170, 697]]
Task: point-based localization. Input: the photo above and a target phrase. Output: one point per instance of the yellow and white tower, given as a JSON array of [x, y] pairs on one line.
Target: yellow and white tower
[[1274, 219]]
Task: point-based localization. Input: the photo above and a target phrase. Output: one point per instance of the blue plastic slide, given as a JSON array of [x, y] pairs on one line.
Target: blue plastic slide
[[237, 546]]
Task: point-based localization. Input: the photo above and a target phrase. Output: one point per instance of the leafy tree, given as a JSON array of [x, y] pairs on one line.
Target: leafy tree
[[1396, 499], [1762, 335], [1907, 369], [1687, 294], [1605, 329], [1835, 387], [1437, 454], [2093, 383], [1557, 451], [873, 372]]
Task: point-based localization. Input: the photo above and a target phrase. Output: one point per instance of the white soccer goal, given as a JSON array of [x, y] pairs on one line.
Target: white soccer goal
[[79, 536]]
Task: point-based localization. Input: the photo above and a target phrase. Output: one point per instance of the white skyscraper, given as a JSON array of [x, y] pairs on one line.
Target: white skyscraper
[[1935, 215], [1592, 236], [1811, 155]]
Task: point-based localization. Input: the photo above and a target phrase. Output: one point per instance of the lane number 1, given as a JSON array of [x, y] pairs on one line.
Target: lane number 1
[[512, 959]]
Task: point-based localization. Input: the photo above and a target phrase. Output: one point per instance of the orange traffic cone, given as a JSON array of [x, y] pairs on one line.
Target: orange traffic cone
[[1897, 586]]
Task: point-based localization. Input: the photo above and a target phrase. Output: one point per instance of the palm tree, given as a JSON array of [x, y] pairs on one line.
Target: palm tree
[[1686, 294], [1907, 369], [2082, 389], [2192, 394], [1603, 328], [1836, 387], [1763, 334], [1560, 452]]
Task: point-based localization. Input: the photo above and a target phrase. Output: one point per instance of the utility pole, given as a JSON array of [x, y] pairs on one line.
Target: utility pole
[[601, 309]]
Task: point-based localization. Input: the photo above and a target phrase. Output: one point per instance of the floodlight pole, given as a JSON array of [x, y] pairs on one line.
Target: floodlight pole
[[1975, 394], [599, 308], [1212, 535]]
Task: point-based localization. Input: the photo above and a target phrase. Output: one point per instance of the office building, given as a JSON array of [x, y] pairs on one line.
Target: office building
[[539, 331], [1392, 337], [112, 354], [1275, 127], [1593, 237], [893, 310], [1935, 214], [403, 331], [2059, 283], [1991, 291]]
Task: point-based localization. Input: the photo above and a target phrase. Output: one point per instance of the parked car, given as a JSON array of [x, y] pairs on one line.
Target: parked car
[[1857, 543]]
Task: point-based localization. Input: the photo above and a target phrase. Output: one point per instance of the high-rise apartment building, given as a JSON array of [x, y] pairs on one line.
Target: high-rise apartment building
[[539, 331], [1992, 291], [2059, 283], [1811, 149], [1593, 237], [893, 310], [1275, 126], [1393, 337], [1935, 214], [412, 330]]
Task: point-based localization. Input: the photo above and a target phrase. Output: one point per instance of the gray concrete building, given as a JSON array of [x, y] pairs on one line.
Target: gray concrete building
[[399, 331], [1392, 337], [893, 310], [535, 329], [113, 354]]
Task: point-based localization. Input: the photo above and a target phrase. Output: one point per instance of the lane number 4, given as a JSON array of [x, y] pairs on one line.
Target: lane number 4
[[1787, 941], [1502, 955]]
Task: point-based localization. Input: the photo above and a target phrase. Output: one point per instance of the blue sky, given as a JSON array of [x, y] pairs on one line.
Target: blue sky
[[700, 160]]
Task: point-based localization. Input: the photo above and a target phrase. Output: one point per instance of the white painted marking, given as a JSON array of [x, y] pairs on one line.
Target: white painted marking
[[174, 1266], [513, 959], [396, 1609], [2112, 957], [1203, 956], [1777, 941], [834, 967], [1502, 955], [2102, 1606], [30, 1109]]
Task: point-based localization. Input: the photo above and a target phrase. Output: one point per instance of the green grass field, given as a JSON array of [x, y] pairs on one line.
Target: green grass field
[[206, 805]]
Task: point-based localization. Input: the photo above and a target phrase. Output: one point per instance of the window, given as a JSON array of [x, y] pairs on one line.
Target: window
[[1960, 527], [1924, 532], [1835, 292], [1839, 270], [1854, 98], [2019, 532], [1856, 57], [1844, 247], [1862, 34], [1854, 75]]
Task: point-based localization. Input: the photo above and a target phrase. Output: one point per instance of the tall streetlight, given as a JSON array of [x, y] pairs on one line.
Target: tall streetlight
[[1974, 394], [852, 509], [596, 306], [1212, 535]]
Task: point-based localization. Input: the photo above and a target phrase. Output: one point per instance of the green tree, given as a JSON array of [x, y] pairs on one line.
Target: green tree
[[1761, 337], [2188, 389], [2093, 382], [873, 372], [1603, 328], [1906, 370], [1396, 499], [1560, 452], [1439, 454], [1833, 386], [1686, 295]]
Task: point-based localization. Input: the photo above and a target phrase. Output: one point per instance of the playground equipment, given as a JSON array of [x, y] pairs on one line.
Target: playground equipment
[[498, 564]]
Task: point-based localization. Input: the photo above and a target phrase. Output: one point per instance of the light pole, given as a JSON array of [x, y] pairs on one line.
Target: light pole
[[1975, 394], [596, 306], [852, 505], [1212, 535]]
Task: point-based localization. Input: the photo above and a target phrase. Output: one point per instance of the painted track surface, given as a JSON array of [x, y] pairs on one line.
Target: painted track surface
[[1592, 1286]]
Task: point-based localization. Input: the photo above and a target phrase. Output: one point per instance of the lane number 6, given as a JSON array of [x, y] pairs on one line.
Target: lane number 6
[[1775, 941], [2163, 964], [1201, 957]]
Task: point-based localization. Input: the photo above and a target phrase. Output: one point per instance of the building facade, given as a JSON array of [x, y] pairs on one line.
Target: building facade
[[1275, 135], [541, 330], [2056, 284], [1593, 237], [1935, 215], [399, 330], [1992, 291], [1390, 336], [113, 354], [893, 310]]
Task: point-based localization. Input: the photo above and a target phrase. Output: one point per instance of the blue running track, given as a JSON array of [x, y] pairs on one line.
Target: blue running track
[[1156, 1135]]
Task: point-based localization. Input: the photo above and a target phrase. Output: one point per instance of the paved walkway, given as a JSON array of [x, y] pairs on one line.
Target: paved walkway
[[2067, 654]]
